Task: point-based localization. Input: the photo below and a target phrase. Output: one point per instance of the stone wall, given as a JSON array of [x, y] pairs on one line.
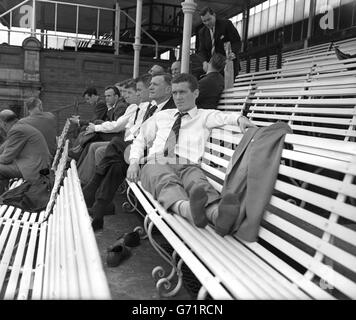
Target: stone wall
[[59, 77]]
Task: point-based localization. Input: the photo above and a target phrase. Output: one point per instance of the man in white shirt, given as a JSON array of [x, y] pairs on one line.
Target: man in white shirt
[[87, 166], [179, 135], [111, 171]]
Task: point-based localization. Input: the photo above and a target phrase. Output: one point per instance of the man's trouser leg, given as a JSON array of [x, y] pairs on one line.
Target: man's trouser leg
[[87, 168], [171, 183]]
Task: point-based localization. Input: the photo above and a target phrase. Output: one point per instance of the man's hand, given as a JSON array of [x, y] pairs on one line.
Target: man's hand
[[231, 56], [245, 123], [133, 171], [90, 128]]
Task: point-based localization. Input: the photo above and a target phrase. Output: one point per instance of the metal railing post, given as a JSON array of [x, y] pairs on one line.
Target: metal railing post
[[117, 27], [76, 29], [33, 18]]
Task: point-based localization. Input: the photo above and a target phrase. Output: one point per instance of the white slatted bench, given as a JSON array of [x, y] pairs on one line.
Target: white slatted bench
[[317, 52], [22, 241], [302, 252], [60, 144], [53, 254], [72, 267], [311, 219], [276, 75], [326, 108], [345, 44]]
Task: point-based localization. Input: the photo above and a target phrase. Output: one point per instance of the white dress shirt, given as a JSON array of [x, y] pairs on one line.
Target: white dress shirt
[[133, 129], [194, 132], [119, 124]]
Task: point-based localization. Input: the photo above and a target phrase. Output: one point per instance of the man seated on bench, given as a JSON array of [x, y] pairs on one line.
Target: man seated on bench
[[25, 152], [115, 109], [212, 84], [99, 108], [172, 172], [110, 172], [87, 166], [44, 122]]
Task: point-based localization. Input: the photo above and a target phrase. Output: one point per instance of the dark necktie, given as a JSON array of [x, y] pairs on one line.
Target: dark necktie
[[173, 136], [110, 114], [212, 35], [136, 114], [149, 112]]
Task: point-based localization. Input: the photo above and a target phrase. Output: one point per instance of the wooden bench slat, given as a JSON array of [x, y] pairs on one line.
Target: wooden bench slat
[[38, 272], [27, 270], [293, 117], [312, 241], [12, 232], [321, 201], [234, 283], [276, 286], [238, 262], [99, 287], [297, 278], [297, 109], [337, 280], [73, 288], [312, 218], [264, 270], [80, 259], [210, 282], [329, 101], [17, 263], [49, 260], [318, 180]]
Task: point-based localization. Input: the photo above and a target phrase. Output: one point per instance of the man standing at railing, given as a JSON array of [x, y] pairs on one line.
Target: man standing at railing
[[214, 34]]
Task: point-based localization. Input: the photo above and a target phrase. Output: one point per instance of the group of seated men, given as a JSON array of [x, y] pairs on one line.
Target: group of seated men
[[30, 143], [159, 138]]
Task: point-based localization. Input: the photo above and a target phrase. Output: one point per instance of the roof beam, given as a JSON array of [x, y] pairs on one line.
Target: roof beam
[[227, 2]]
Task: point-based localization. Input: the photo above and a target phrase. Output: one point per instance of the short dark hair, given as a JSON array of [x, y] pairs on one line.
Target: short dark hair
[[116, 90], [218, 61], [145, 79], [90, 91], [167, 77], [32, 103], [186, 77], [130, 84], [8, 115], [206, 10]]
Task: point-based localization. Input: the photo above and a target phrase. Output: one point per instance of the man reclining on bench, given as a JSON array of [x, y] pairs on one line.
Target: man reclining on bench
[[172, 173]]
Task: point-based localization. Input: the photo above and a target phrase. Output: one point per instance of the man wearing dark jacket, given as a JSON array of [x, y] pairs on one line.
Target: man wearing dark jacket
[[45, 122], [214, 34], [25, 152], [111, 171], [99, 107], [212, 84]]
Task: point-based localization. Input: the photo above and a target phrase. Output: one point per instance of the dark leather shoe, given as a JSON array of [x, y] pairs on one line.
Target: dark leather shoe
[[75, 152], [97, 224], [117, 255], [131, 239]]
